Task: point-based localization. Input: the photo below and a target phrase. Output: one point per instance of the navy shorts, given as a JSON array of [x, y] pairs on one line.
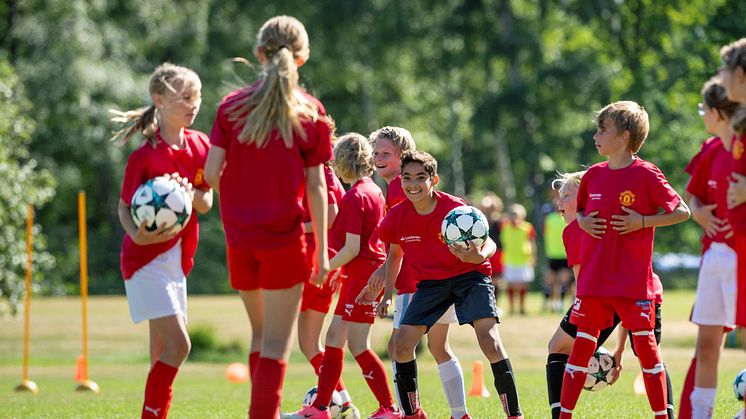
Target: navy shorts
[[572, 330], [558, 264], [472, 293]]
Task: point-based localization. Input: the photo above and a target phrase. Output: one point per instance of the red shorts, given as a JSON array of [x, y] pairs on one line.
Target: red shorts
[[271, 269], [319, 299], [740, 280], [497, 263], [597, 313], [356, 275]]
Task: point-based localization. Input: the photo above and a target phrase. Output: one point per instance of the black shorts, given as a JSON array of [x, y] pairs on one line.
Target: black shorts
[[558, 264], [472, 293], [572, 330]]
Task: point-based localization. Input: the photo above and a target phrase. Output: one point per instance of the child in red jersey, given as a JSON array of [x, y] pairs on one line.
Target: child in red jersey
[[155, 264], [270, 142], [446, 275], [360, 254], [560, 345], [617, 276], [388, 145]]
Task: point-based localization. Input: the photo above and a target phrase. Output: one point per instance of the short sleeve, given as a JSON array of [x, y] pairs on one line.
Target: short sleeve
[[386, 229], [353, 209], [697, 185], [134, 175], [582, 201], [661, 192], [316, 148], [531, 231], [220, 130]]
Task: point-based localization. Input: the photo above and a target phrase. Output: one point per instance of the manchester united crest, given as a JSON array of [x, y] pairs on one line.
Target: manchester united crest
[[737, 149], [627, 198]]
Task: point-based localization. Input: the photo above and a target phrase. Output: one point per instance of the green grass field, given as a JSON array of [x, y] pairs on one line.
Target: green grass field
[[118, 362]]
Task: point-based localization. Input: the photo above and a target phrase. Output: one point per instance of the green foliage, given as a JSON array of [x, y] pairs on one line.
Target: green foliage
[[207, 347], [23, 184]]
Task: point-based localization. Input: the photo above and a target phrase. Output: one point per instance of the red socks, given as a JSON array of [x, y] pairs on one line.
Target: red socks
[[685, 404], [375, 375], [576, 370], [253, 359], [158, 390], [330, 372], [265, 398], [652, 370], [316, 364]]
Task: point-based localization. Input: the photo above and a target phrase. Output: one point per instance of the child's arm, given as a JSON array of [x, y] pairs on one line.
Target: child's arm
[[392, 266], [736, 190], [331, 214], [141, 236], [621, 342], [702, 215], [214, 166], [317, 203], [347, 252], [634, 221], [595, 227], [201, 199], [472, 254]]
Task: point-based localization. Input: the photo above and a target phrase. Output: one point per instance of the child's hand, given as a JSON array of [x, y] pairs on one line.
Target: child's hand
[[595, 227], [183, 182], [320, 271], [367, 295], [705, 217], [382, 309], [468, 254], [618, 366], [627, 223], [377, 279], [736, 190], [143, 237], [335, 279]]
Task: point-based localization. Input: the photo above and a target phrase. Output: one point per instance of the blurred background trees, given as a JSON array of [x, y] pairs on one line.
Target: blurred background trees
[[502, 92]]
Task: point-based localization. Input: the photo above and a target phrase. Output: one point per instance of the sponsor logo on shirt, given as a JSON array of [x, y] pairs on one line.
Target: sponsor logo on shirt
[[410, 239], [737, 149], [595, 196], [712, 184], [627, 198]]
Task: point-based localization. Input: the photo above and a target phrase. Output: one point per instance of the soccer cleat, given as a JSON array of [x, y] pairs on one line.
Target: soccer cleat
[[419, 414], [308, 412], [349, 411], [386, 412]]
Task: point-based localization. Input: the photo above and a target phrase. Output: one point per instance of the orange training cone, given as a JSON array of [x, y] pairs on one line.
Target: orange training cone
[[80, 369], [477, 384], [639, 385], [237, 373]]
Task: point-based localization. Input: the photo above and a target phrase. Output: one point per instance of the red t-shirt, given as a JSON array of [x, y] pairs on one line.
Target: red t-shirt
[[422, 243], [621, 265], [148, 162], [262, 189], [334, 193], [710, 142], [571, 236], [709, 183], [360, 212], [405, 283], [737, 215]]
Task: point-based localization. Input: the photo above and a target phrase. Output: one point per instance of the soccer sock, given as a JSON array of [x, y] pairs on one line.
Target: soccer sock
[[158, 390], [703, 401], [576, 370], [652, 370], [265, 398], [511, 294], [522, 299], [555, 372], [316, 364], [685, 404], [396, 388], [329, 377], [406, 386], [669, 394], [452, 378], [375, 375], [505, 386], [253, 359]]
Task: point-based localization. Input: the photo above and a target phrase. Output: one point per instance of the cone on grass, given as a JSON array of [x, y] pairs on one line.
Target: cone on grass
[[639, 385], [237, 373], [84, 384], [477, 383]]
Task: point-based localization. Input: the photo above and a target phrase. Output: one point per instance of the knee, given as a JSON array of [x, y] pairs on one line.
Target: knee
[[404, 350], [559, 346]]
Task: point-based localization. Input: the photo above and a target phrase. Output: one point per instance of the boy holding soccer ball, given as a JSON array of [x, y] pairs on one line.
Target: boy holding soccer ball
[[627, 193], [446, 275], [155, 263]]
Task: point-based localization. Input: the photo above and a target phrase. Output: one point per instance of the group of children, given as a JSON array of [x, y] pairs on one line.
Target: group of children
[[306, 239]]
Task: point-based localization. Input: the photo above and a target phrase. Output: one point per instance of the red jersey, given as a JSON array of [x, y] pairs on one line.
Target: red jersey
[[395, 193], [405, 283], [334, 193], [710, 142], [422, 243], [709, 183], [571, 236], [737, 215], [148, 162], [360, 212], [621, 265], [262, 189]]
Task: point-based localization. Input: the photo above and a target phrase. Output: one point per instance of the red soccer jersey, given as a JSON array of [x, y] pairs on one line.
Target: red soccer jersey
[[262, 189], [334, 193], [571, 236], [405, 283], [737, 215], [422, 243], [709, 183], [710, 142], [621, 265], [395, 193], [148, 162], [360, 212]]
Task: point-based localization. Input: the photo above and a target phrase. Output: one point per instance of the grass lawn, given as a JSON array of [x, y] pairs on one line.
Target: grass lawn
[[118, 362]]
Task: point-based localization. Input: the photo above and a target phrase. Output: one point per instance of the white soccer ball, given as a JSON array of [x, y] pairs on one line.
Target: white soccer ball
[[335, 406], [739, 384], [465, 224], [161, 200], [599, 370]]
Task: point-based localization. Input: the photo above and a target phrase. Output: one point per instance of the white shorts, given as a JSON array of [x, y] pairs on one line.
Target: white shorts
[[715, 304], [402, 302], [518, 274], [158, 289]]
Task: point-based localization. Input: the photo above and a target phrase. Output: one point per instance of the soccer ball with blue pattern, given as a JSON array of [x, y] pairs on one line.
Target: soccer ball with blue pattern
[[159, 201], [465, 224], [599, 370], [335, 406], [739, 384]]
